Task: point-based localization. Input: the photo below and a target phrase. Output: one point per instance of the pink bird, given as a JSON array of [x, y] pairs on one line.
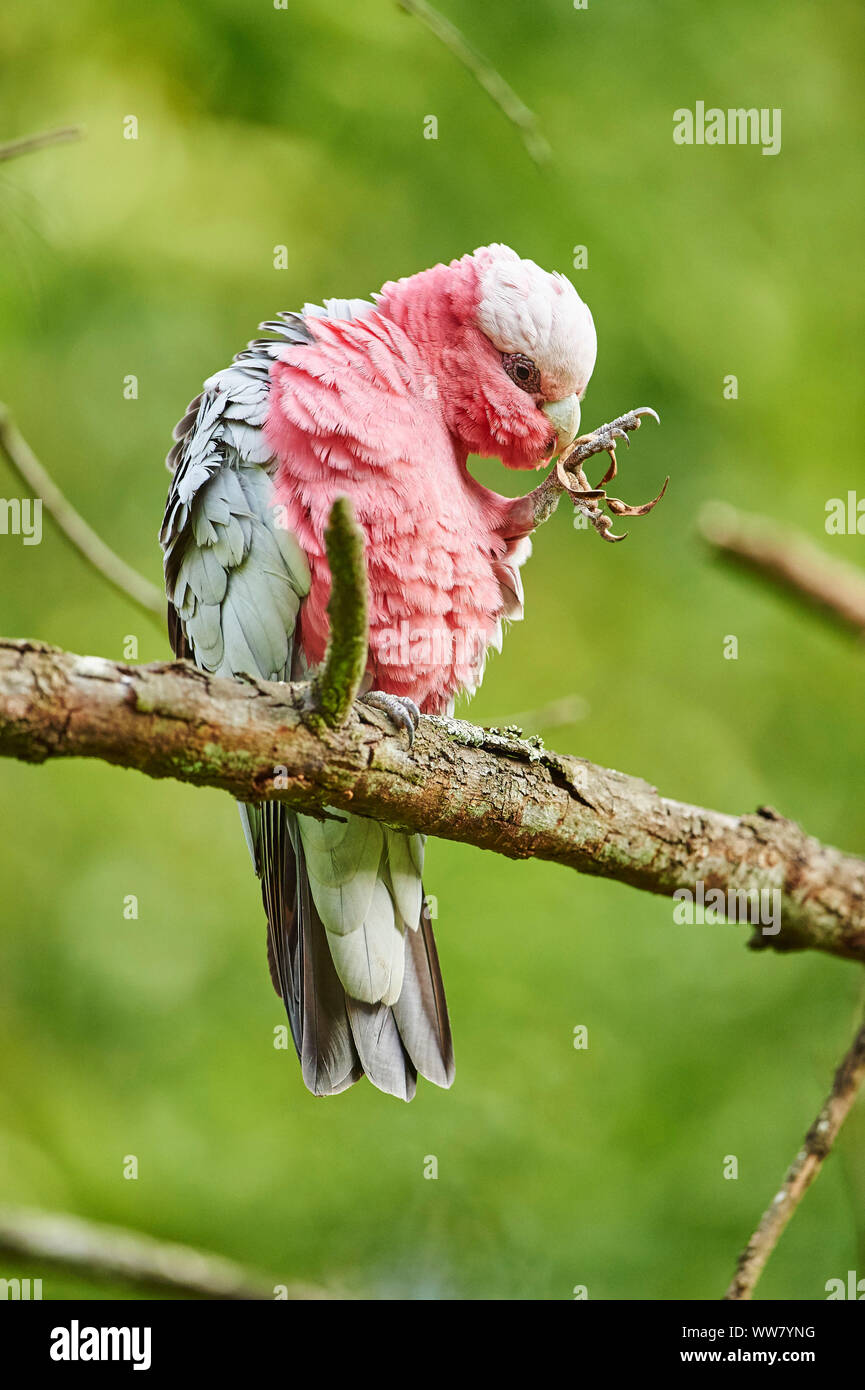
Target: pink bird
[[381, 401]]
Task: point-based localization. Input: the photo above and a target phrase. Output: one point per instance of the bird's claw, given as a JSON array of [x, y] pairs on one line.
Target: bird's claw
[[402, 711], [571, 477], [567, 481], [622, 508], [603, 439]]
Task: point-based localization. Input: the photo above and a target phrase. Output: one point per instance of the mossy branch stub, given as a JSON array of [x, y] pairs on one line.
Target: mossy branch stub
[[344, 666]]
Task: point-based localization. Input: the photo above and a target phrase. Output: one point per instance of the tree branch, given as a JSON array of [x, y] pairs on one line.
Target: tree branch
[[28, 144], [39, 482], [802, 1171], [485, 74], [257, 741], [36, 477], [788, 560], [96, 1251]]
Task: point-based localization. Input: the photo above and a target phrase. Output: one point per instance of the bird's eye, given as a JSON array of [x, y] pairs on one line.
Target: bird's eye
[[522, 371]]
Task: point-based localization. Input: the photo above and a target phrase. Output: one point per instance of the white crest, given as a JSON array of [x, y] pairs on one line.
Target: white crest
[[526, 309]]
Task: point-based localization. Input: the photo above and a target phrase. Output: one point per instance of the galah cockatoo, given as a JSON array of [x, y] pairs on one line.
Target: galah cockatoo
[[381, 401]]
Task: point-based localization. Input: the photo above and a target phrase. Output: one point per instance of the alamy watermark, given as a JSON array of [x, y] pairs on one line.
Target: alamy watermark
[[845, 516], [77, 1343], [430, 647], [735, 126], [21, 516], [20, 1289], [852, 1288], [758, 907]]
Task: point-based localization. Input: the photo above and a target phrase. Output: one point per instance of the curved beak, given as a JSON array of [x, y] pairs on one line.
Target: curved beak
[[564, 416]]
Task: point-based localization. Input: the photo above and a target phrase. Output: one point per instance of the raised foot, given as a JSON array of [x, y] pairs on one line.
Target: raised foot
[[402, 711], [572, 478]]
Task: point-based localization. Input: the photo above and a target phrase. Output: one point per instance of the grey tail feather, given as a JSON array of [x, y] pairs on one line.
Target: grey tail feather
[[277, 868], [380, 1047], [301, 969], [339, 1039], [421, 1012], [328, 1056]]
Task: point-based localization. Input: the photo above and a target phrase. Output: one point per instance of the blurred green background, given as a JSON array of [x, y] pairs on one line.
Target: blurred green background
[[304, 127]]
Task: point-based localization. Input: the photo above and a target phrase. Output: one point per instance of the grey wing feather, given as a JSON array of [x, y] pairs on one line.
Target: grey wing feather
[[235, 581], [234, 578]]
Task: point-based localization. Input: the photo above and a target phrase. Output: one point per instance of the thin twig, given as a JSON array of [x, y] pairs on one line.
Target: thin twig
[[339, 679], [90, 1250], [567, 709], [39, 482], [486, 75], [802, 1171], [255, 739], [788, 560], [28, 144]]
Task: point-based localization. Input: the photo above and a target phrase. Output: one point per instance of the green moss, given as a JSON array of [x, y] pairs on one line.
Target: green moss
[[345, 660]]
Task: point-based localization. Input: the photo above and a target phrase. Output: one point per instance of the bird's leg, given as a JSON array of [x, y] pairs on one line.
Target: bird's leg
[[567, 475], [403, 712]]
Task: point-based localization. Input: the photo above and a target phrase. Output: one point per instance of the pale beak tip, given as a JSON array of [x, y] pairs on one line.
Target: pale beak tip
[[564, 416]]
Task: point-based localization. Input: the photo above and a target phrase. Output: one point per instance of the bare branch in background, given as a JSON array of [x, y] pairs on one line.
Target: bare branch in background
[[802, 1171], [28, 144], [788, 560], [256, 740], [36, 477], [567, 709], [485, 74], [39, 482], [96, 1251]]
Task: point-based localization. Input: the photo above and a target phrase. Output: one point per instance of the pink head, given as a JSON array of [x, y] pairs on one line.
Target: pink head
[[509, 347]]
